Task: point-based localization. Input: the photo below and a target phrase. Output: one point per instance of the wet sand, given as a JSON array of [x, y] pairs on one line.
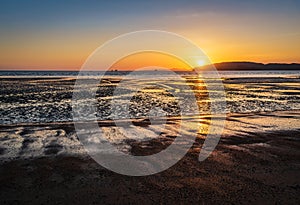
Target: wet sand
[[256, 161], [48, 99]]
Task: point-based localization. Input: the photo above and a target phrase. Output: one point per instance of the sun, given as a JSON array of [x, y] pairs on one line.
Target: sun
[[200, 62]]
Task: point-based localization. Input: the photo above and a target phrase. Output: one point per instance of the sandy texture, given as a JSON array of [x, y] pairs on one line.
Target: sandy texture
[[257, 161]]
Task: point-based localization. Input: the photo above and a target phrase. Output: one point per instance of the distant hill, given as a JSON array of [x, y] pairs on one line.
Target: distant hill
[[254, 66]]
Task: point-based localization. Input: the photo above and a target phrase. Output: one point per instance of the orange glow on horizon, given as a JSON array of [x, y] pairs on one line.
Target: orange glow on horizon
[[147, 59], [51, 53]]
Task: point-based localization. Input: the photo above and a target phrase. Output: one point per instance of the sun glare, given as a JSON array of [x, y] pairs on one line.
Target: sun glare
[[200, 62]]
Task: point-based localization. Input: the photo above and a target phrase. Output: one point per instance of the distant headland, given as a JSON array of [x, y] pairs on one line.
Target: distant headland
[[254, 66]]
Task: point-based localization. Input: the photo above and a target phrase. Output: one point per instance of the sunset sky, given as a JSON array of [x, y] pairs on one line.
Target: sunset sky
[[62, 34]]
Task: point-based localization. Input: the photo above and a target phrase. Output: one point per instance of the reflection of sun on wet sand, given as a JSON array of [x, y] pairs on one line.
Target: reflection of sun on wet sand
[[256, 159]]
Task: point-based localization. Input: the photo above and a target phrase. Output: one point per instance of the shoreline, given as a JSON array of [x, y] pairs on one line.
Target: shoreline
[[110, 122]]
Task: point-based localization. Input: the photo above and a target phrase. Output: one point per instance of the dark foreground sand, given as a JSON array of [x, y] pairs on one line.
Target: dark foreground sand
[[256, 162]]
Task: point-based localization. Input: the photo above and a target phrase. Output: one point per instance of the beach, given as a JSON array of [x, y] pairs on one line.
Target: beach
[[257, 159], [257, 165], [150, 102]]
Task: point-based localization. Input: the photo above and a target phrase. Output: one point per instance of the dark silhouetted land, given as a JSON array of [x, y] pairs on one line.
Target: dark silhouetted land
[[239, 66]]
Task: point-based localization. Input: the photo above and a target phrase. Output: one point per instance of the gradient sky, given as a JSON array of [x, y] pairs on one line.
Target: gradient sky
[[61, 34]]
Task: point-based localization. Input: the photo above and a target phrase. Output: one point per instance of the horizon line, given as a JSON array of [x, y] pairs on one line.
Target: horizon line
[[175, 69]]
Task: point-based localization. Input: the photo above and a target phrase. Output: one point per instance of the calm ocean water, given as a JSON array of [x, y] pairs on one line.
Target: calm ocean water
[[46, 96]]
